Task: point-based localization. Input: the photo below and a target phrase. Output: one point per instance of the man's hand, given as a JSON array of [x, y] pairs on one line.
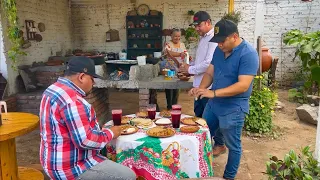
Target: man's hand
[[116, 131], [204, 93], [193, 92], [184, 67]]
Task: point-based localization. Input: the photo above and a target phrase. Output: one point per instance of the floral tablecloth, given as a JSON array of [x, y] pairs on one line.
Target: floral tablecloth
[[184, 155]]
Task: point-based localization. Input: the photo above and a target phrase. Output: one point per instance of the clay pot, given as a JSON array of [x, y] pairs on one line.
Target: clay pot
[[266, 59]]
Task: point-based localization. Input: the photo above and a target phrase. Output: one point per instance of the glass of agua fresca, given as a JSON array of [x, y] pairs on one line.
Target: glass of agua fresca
[[176, 107], [175, 118], [151, 111], [116, 116]]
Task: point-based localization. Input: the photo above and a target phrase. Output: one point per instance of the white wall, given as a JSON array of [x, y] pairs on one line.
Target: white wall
[[90, 23], [282, 16], [55, 14]]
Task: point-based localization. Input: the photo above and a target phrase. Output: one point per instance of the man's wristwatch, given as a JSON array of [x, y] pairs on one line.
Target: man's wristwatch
[[214, 93]]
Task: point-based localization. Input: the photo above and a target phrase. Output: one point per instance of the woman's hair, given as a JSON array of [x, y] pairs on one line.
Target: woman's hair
[[175, 30]]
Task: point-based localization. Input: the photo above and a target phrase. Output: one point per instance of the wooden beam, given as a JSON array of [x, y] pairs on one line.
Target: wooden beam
[[231, 6]]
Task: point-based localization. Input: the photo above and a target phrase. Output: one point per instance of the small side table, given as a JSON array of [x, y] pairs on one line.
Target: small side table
[[15, 124]]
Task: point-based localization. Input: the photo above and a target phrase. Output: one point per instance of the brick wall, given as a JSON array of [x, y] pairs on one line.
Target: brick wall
[[30, 102], [11, 104], [282, 16], [57, 36]]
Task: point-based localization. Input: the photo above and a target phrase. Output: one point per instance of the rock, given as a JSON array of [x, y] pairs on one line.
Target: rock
[[313, 99], [279, 105], [307, 113]]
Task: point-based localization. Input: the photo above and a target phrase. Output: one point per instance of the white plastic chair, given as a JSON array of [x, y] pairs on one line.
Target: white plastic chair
[[4, 104]]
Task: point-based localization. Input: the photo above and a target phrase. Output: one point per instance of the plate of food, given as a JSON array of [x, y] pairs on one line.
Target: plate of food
[[125, 119], [163, 122], [165, 114], [189, 129], [183, 77], [193, 121], [142, 122], [128, 129], [142, 114], [161, 132]]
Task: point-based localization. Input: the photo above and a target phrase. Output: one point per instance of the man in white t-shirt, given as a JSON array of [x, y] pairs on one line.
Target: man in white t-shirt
[[204, 54]]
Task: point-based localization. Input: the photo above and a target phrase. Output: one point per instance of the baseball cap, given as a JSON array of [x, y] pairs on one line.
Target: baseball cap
[[223, 29], [199, 17], [82, 64]]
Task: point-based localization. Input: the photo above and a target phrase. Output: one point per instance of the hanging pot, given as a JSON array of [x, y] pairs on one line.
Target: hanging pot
[[266, 59]]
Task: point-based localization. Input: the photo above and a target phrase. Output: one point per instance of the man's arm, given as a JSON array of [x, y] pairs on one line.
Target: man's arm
[[207, 78], [82, 134], [202, 67], [239, 87], [247, 70]]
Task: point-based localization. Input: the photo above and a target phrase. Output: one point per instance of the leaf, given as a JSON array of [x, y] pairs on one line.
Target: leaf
[[316, 46], [307, 48], [315, 73]]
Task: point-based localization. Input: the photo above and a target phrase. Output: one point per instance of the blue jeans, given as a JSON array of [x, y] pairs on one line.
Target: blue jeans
[[199, 106], [226, 130]]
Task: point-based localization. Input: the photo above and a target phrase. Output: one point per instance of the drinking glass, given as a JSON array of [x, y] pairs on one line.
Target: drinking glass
[[175, 118], [151, 111], [116, 116]]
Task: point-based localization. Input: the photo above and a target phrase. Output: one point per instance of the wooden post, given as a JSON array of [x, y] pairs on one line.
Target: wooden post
[[231, 6], [318, 138], [259, 49]]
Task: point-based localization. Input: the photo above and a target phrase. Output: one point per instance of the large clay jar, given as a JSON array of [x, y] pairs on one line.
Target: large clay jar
[[266, 59]]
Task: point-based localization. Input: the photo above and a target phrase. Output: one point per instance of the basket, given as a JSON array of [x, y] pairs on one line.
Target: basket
[[167, 155]]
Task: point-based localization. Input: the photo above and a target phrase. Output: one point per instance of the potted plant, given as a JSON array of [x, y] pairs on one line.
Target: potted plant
[[233, 16], [190, 15], [191, 35]]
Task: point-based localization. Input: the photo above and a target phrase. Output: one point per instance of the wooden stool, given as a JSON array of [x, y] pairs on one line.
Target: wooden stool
[[25, 173]]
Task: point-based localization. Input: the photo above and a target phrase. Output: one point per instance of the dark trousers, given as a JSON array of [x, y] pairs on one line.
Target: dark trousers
[[199, 106], [172, 96]]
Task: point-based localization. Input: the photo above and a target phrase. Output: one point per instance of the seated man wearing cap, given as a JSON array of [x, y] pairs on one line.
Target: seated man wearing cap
[[70, 135], [231, 72]]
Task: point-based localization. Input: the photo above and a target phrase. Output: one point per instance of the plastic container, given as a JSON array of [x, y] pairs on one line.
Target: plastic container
[[122, 56], [156, 54], [141, 60]]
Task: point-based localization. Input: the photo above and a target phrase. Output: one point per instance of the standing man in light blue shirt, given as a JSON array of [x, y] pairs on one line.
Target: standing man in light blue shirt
[[205, 50]]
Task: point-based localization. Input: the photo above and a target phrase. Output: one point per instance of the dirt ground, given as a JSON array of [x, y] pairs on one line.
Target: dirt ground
[[255, 150]]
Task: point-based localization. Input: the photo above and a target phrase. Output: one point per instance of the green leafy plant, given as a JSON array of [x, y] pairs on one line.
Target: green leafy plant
[[293, 166], [296, 95], [191, 13], [10, 11], [308, 51], [233, 16], [262, 102], [191, 35]]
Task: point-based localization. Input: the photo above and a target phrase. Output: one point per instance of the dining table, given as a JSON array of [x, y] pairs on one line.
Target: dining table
[[15, 124], [183, 155]]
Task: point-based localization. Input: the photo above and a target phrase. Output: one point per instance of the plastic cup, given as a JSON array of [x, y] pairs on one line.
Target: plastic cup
[[176, 107], [175, 118], [151, 111], [116, 116]]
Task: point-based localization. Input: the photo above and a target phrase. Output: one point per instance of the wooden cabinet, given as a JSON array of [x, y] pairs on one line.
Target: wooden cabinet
[[144, 35]]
